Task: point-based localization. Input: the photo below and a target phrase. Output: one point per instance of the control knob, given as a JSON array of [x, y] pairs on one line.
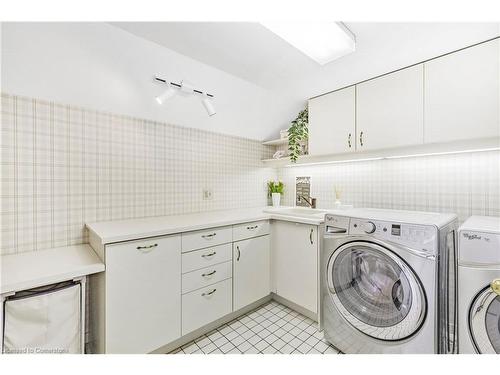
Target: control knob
[[369, 227]]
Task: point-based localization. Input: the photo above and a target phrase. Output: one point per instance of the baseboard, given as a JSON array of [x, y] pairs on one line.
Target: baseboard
[[294, 306], [227, 318], [209, 327]]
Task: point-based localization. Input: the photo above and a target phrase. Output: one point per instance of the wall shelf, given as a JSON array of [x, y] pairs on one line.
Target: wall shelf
[[276, 142]]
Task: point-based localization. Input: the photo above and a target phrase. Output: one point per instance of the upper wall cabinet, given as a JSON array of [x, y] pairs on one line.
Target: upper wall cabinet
[[389, 110], [332, 122], [462, 94]]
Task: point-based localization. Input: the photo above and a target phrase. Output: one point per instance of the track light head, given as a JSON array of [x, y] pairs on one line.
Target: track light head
[[207, 103], [167, 94]]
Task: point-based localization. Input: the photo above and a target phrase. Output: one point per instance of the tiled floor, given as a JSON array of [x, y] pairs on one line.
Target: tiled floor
[[271, 328]]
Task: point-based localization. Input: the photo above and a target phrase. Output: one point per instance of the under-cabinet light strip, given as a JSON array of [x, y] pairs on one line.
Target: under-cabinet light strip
[[443, 153], [394, 157]]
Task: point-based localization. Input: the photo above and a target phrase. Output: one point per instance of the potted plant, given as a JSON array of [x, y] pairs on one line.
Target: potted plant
[[275, 190], [298, 135]]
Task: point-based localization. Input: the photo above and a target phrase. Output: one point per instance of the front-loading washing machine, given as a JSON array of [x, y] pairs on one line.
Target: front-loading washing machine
[[479, 285], [387, 281]]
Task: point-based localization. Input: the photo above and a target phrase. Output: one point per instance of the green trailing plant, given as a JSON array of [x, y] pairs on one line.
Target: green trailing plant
[[297, 134], [275, 187]]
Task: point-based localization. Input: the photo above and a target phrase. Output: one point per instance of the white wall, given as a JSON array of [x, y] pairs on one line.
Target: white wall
[[98, 66]]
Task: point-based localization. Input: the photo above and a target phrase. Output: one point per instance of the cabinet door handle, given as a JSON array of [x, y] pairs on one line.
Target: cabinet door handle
[[209, 274], [311, 236], [146, 249], [209, 255], [239, 253], [361, 138], [349, 140], [209, 236], [208, 293], [252, 228]]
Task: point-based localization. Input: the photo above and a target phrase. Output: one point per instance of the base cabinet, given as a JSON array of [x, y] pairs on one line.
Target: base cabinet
[[251, 270], [142, 294], [295, 263]]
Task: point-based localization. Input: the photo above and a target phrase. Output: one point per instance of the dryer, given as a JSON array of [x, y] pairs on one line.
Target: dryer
[[387, 281], [479, 285]]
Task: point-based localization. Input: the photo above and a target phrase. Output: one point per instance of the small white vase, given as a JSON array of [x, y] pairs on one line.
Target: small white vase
[[276, 199], [337, 204]]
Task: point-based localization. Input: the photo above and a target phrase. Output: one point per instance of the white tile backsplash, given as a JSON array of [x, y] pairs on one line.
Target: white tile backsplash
[[466, 184], [62, 166]]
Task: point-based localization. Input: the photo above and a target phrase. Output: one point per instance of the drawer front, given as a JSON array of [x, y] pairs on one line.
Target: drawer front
[[249, 230], [206, 276], [210, 256], [206, 305], [205, 238]]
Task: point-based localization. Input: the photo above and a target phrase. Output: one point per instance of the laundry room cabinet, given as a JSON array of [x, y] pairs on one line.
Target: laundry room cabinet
[[295, 263], [142, 294], [332, 122], [390, 110], [452, 100], [462, 94], [251, 271]]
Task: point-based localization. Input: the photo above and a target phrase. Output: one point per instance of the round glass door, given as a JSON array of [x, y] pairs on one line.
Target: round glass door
[[484, 322], [376, 291]]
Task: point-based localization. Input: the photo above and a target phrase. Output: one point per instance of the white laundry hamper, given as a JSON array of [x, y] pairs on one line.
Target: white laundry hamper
[[45, 320]]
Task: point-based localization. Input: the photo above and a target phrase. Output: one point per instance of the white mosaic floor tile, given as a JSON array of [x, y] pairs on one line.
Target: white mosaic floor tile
[[269, 329]]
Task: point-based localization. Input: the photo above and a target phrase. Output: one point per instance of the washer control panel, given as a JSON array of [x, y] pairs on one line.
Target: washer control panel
[[419, 237]]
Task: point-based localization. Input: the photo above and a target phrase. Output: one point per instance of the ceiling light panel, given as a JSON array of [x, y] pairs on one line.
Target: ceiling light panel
[[321, 41]]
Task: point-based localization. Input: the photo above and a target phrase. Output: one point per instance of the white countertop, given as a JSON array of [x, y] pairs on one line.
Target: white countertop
[[124, 230], [38, 268]]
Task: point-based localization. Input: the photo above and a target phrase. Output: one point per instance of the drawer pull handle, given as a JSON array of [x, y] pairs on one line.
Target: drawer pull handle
[[209, 236], [349, 140], [149, 247], [252, 228], [239, 253], [209, 293], [311, 236], [209, 274], [361, 138], [209, 255]]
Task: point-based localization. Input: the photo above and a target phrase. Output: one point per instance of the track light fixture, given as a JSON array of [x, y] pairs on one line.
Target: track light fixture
[[167, 94], [185, 88], [207, 103]]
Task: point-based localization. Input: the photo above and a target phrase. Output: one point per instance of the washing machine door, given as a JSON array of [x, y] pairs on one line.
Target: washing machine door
[[484, 319], [376, 291]]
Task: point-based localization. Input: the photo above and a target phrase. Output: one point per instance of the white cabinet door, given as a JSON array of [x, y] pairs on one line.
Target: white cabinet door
[[143, 294], [295, 263], [389, 110], [251, 273], [462, 94], [332, 122]]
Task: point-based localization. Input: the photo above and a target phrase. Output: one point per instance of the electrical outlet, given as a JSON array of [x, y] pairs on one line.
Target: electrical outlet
[[207, 194]]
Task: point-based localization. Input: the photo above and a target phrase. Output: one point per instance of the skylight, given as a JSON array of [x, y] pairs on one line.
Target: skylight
[[321, 41]]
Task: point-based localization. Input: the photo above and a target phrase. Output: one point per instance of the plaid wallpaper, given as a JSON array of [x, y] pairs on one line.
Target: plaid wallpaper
[[62, 166], [466, 184]]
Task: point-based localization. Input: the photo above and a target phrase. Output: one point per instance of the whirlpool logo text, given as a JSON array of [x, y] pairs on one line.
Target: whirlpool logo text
[[471, 236]]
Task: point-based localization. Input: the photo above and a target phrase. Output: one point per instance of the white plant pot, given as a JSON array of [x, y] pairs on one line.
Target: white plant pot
[[276, 199]]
